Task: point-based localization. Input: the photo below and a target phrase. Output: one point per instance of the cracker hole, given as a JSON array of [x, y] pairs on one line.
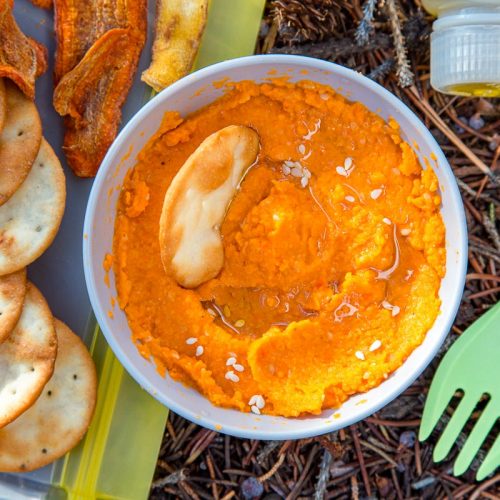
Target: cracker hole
[[38, 229], [49, 393], [44, 450], [13, 392], [75, 376], [20, 133], [32, 368], [41, 164]]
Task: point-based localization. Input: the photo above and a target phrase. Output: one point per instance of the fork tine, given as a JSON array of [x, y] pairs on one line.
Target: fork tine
[[476, 438], [491, 462], [437, 400], [455, 425]]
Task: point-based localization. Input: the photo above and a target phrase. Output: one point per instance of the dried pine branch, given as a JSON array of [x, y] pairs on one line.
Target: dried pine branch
[[365, 27], [301, 21], [403, 71]]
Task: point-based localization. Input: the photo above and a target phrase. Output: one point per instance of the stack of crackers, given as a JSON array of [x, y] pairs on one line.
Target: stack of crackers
[[47, 377]]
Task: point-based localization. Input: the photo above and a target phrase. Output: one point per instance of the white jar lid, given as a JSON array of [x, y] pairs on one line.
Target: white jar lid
[[465, 52]]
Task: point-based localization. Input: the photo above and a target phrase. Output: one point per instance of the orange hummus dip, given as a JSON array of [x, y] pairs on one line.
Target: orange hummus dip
[[334, 253]]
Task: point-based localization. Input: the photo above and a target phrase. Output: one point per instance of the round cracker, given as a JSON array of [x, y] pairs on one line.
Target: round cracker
[[20, 140], [29, 221], [27, 357], [12, 293], [62, 414], [3, 104]]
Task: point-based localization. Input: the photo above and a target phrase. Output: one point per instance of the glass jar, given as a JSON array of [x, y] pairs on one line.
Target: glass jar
[[465, 46]]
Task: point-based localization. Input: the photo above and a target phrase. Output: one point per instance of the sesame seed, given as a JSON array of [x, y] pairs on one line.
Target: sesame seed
[[359, 355], [286, 169], [387, 221], [304, 181], [230, 375], [227, 311], [297, 172], [350, 198], [191, 340], [199, 350], [239, 323], [211, 312], [375, 194], [376, 345], [395, 310], [366, 375], [348, 163], [230, 361], [405, 231], [325, 97], [258, 401], [238, 368], [301, 149], [255, 410], [341, 171]]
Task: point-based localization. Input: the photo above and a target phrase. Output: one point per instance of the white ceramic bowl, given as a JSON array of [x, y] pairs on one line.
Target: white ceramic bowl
[[188, 95]]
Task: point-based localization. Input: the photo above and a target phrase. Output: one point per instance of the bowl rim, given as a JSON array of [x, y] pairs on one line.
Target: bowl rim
[[89, 263]]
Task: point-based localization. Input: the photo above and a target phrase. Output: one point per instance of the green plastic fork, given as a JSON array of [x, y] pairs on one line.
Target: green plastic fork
[[472, 365]]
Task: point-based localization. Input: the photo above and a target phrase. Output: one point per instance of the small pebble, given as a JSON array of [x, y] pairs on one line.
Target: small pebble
[[251, 488], [493, 145], [458, 129], [476, 122], [407, 439], [239, 323]]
